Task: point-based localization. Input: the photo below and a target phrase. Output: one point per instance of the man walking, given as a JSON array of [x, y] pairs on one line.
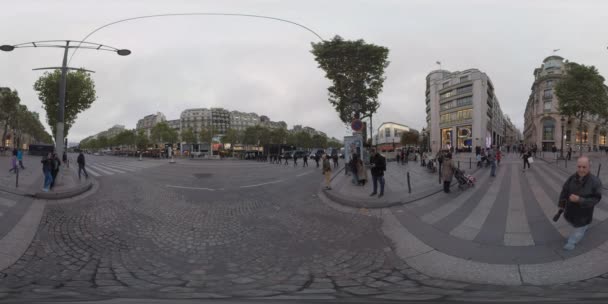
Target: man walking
[[335, 159], [295, 160], [305, 159], [378, 163], [569, 156], [526, 154], [581, 192], [20, 158], [492, 160], [47, 168], [80, 161]]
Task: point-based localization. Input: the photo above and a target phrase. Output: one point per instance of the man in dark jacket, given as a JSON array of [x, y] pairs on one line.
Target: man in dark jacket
[[581, 192], [80, 161], [378, 164]]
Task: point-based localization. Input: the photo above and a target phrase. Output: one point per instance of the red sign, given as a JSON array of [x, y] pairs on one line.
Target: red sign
[[356, 125]]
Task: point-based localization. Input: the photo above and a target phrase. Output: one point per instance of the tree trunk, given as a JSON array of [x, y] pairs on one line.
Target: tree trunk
[[4, 134]]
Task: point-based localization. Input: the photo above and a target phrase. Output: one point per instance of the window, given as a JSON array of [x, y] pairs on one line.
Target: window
[[387, 132], [464, 101], [548, 128], [447, 94], [446, 84], [548, 93], [547, 107], [465, 89], [464, 78], [549, 84], [445, 118]]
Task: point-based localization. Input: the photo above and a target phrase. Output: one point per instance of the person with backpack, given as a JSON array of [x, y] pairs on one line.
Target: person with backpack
[[378, 163], [80, 161], [20, 158]]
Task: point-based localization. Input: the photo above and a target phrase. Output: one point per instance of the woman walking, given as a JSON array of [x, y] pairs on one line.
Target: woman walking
[[326, 171], [361, 172], [526, 155], [447, 171]]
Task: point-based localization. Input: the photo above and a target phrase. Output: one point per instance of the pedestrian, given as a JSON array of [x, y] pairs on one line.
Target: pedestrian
[[580, 193], [447, 172], [526, 155], [492, 160], [326, 171], [317, 157], [65, 159], [498, 156], [80, 161], [295, 160], [569, 156], [286, 157], [335, 159], [20, 158], [378, 163], [47, 168], [14, 167], [398, 157], [361, 172], [55, 163], [305, 159], [352, 167]]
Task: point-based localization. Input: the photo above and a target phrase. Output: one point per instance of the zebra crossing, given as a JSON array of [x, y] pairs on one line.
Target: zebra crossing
[[107, 166], [513, 209]]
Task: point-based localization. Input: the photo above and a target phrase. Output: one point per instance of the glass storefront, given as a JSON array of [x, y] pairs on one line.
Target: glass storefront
[[465, 137], [446, 138]]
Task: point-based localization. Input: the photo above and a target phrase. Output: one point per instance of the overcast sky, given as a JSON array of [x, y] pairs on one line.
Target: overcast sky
[[265, 66]]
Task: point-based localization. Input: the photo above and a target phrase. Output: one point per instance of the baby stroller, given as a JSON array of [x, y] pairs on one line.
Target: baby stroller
[[464, 180]]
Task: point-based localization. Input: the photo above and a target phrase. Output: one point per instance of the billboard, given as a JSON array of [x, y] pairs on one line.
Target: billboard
[[352, 144]]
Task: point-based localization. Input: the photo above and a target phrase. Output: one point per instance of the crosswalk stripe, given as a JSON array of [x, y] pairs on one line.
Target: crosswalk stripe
[[111, 169], [546, 204], [119, 167], [470, 227], [91, 171], [101, 170], [517, 231], [6, 202]]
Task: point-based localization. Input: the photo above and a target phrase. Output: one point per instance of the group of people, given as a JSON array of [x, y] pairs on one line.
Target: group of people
[[51, 165], [357, 169]]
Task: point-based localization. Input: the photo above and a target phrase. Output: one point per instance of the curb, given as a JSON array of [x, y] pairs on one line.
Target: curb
[[14, 244], [15, 191], [65, 194], [386, 204]]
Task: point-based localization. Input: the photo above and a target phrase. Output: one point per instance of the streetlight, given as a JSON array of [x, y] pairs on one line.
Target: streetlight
[[59, 138], [561, 154]]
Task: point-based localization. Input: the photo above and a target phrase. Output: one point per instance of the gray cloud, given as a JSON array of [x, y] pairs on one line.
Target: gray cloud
[[265, 66]]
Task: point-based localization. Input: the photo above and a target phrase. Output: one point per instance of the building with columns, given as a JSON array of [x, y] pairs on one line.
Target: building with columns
[[462, 110]]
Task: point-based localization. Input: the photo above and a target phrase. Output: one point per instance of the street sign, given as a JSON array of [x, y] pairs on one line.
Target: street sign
[[356, 125]]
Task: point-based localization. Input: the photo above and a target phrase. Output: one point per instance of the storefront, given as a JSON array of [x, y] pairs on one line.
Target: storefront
[[465, 137]]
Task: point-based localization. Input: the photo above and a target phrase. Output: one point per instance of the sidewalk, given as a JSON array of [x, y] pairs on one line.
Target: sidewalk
[[30, 178], [422, 182], [599, 161]]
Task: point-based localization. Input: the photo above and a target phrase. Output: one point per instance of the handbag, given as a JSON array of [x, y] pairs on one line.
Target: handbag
[[531, 160]]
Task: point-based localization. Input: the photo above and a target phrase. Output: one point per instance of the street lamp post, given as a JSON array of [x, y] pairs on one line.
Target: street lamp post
[[59, 135], [561, 154]]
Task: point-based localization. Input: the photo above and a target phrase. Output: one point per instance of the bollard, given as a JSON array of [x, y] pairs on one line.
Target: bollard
[[470, 163], [598, 170], [17, 178], [439, 175], [409, 186]]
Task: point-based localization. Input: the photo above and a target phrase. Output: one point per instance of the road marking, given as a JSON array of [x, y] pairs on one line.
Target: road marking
[[110, 169], [6, 202], [101, 170], [302, 174], [90, 171], [120, 167], [274, 182], [192, 188], [517, 231]]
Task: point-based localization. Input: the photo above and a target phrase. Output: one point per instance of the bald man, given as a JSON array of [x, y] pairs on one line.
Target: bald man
[[581, 192]]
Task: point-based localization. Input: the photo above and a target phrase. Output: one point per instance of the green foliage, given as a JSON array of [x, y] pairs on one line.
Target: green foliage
[[356, 70], [319, 141], [20, 119], [141, 140], [188, 136], [581, 92], [206, 135], [80, 95], [161, 133]]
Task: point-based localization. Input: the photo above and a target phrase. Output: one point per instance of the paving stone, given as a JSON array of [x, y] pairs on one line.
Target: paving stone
[[317, 291], [409, 297], [243, 280], [362, 290], [176, 289]]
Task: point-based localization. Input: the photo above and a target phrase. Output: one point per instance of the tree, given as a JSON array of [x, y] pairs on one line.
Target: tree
[[356, 70], [409, 138], [278, 136], [9, 101], [206, 135], [80, 95], [303, 140], [102, 142], [141, 140], [319, 141], [188, 136], [162, 133], [581, 92]]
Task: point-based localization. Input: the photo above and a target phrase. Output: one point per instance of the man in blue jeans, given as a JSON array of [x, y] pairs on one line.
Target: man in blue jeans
[[378, 164], [581, 192], [492, 160]]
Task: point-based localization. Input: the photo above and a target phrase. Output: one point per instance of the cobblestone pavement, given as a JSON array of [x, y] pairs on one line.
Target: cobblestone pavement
[[135, 238]]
